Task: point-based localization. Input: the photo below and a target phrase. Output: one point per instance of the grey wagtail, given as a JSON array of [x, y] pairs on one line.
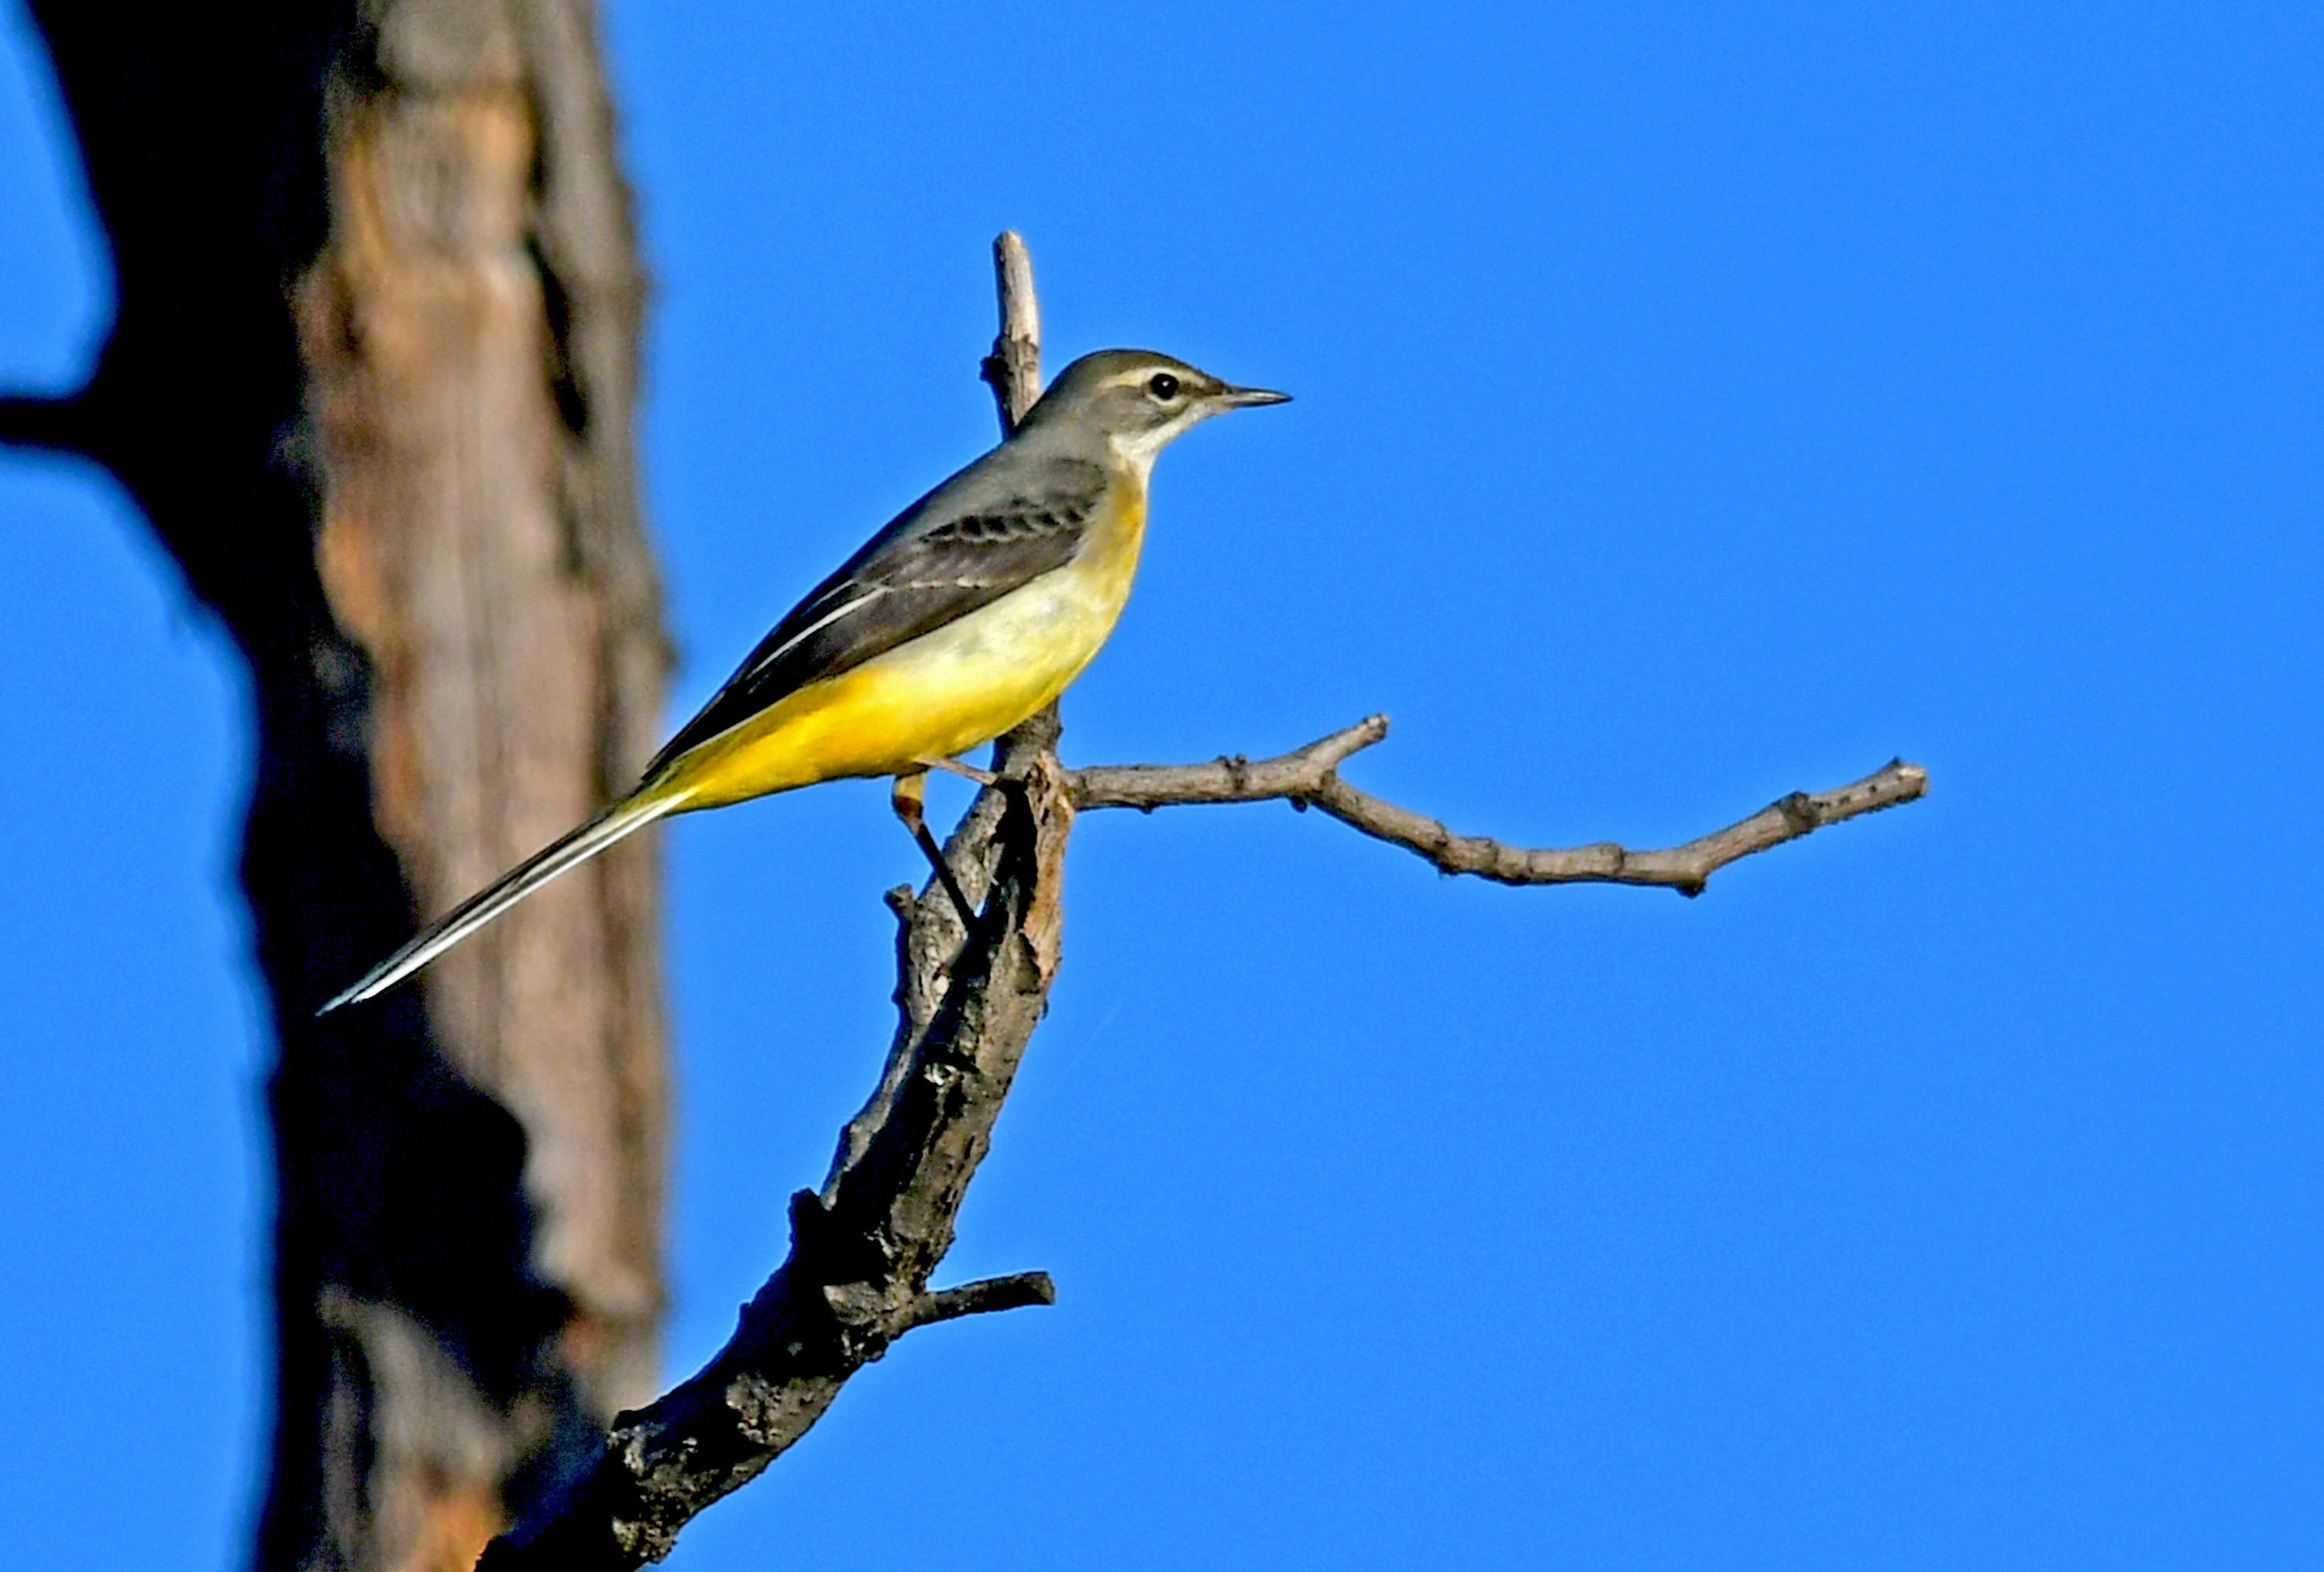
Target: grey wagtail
[[972, 610]]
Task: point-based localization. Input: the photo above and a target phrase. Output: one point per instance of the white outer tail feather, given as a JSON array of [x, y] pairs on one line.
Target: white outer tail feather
[[569, 852]]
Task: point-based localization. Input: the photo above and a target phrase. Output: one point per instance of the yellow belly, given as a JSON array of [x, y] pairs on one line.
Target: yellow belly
[[939, 695]]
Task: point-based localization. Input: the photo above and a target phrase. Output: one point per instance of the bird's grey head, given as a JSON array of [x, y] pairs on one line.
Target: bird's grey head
[[1137, 400]]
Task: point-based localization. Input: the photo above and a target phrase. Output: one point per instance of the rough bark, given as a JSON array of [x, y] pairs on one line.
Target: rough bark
[[864, 1248], [371, 381]]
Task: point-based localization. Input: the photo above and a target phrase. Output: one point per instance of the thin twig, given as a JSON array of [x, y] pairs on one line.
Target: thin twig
[[1013, 1292], [1310, 776]]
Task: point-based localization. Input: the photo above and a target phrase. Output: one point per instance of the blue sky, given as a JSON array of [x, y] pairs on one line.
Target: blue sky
[[1694, 403]]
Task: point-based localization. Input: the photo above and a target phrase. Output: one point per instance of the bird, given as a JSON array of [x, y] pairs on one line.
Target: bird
[[970, 611]]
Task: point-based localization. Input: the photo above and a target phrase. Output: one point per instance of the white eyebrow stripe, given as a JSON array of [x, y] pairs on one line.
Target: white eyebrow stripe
[[819, 623]]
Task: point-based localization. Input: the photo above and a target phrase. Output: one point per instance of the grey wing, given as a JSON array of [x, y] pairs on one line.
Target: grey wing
[[991, 529]]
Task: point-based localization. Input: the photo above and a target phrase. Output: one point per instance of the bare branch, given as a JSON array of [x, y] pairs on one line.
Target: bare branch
[[1014, 367], [1298, 776], [1310, 776], [861, 1250]]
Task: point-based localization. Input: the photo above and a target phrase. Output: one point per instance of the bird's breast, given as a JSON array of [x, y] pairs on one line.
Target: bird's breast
[[943, 693]]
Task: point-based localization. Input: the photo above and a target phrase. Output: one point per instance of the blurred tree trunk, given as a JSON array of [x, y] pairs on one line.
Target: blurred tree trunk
[[373, 382]]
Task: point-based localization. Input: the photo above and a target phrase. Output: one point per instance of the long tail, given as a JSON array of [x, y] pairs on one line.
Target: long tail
[[620, 820]]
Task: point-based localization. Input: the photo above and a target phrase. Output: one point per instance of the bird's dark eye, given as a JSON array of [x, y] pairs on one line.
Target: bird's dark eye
[[1162, 386]]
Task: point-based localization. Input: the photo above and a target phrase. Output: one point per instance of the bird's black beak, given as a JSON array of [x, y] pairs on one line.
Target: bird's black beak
[[1240, 398]]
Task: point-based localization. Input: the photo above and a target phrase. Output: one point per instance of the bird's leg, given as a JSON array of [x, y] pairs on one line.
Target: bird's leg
[[907, 797], [954, 767]]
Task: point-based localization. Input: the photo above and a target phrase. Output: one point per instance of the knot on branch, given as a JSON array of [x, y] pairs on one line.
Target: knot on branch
[[1799, 812], [867, 1316]]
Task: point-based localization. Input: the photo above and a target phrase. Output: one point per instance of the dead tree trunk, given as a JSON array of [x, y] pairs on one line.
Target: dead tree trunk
[[373, 382]]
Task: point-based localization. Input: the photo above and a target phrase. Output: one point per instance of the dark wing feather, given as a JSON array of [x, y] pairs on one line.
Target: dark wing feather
[[962, 547]]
